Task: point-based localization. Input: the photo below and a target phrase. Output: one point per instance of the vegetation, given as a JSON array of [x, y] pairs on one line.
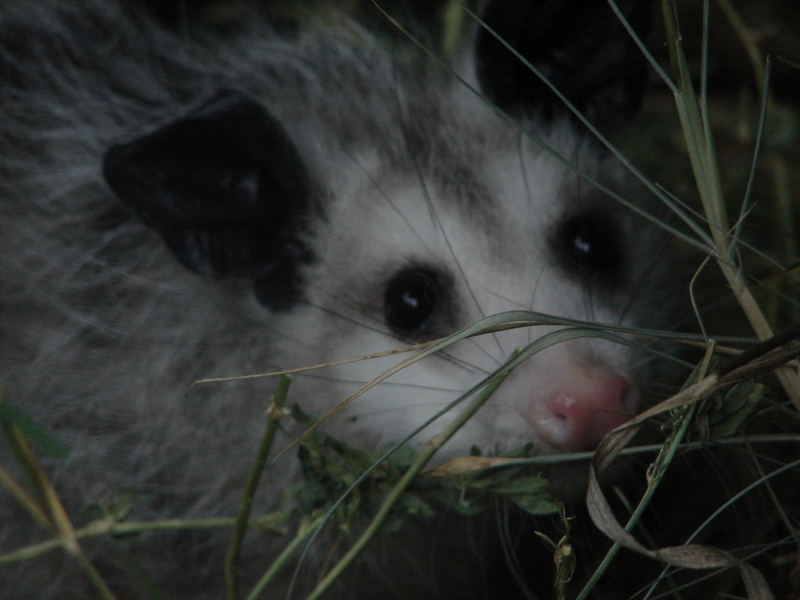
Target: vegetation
[[716, 144]]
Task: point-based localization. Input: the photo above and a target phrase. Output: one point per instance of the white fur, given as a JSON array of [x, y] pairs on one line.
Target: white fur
[[102, 331]]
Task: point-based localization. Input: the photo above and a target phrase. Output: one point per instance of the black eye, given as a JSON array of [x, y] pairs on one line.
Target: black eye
[[591, 245], [411, 299]]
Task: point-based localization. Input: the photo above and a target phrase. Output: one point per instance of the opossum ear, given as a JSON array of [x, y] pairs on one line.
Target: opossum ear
[[224, 186], [580, 46]]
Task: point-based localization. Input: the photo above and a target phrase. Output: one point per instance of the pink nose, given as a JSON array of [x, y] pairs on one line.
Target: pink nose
[[577, 415]]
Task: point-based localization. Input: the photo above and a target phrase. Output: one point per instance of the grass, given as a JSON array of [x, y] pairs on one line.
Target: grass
[[739, 207]]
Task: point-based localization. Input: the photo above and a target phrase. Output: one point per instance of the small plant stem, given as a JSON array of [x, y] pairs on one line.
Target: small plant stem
[[664, 458], [786, 208], [785, 211], [48, 506], [31, 501], [763, 480], [94, 576], [304, 532], [654, 476], [704, 165], [453, 28], [24, 498], [761, 73], [425, 455], [274, 414], [111, 527], [748, 39]]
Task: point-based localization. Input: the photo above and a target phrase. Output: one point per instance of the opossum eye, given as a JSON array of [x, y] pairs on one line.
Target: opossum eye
[[591, 244], [411, 299]]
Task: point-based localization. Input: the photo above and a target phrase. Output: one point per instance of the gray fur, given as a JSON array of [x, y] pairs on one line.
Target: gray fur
[[102, 331]]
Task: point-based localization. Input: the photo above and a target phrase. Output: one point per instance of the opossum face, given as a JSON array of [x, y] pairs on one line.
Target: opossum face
[[352, 249], [419, 264]]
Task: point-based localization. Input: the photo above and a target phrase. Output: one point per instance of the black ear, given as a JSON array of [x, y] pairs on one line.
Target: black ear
[[579, 45], [224, 186]]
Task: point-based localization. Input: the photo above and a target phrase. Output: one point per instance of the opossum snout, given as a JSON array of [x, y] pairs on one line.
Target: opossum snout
[[578, 414]]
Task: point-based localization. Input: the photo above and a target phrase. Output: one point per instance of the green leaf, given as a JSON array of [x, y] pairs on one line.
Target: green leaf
[[736, 408], [11, 415]]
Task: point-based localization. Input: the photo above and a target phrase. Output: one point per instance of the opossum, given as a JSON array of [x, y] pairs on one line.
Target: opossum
[[178, 206]]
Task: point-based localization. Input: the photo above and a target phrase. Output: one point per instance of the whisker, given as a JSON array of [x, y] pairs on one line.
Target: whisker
[[397, 384], [423, 185], [446, 356], [384, 195]]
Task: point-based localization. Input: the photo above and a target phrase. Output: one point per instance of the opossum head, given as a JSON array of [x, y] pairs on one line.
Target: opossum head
[[445, 214]]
